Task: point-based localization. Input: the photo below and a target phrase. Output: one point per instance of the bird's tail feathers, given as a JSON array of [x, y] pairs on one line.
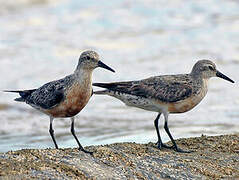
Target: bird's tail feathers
[[104, 85], [24, 94], [20, 99], [107, 86], [101, 92], [12, 91]]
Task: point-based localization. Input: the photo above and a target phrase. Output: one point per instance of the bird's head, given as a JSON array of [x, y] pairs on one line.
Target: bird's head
[[207, 69], [90, 60]]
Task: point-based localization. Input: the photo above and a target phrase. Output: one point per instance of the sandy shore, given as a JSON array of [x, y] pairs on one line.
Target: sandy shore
[[215, 157]]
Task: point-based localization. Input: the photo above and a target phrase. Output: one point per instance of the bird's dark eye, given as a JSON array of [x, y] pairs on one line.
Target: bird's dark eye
[[211, 68], [88, 57]]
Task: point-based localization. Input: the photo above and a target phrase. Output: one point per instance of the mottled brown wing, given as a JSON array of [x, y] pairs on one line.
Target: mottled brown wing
[[164, 88], [50, 94]]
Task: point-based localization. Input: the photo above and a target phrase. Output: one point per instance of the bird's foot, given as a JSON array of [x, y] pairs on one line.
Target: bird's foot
[[181, 150], [162, 145], [85, 151]]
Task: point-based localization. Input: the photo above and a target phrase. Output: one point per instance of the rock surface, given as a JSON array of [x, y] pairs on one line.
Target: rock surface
[[215, 157]]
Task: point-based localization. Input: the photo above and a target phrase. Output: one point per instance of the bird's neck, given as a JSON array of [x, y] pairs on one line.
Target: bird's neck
[[205, 84], [83, 76], [201, 82]]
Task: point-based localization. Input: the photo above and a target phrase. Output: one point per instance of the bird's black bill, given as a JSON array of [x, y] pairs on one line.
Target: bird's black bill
[[219, 74], [102, 65]]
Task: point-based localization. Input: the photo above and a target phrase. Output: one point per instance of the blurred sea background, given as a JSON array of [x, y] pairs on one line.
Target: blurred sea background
[[41, 40]]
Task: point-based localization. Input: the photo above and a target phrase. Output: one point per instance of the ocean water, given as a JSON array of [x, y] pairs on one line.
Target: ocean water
[[41, 41]]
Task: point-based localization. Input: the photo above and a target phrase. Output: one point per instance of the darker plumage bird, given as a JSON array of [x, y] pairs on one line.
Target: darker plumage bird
[[65, 97]]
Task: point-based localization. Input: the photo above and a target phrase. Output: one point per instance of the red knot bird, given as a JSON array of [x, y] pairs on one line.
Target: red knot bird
[[65, 97], [165, 94]]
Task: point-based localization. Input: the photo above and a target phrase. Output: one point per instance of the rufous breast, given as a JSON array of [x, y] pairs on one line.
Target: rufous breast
[[76, 99], [190, 102]]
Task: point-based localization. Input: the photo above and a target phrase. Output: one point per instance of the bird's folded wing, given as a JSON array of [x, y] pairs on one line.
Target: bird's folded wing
[[160, 88], [47, 96]]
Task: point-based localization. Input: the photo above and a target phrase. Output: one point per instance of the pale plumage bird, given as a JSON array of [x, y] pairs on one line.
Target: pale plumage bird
[[166, 94], [65, 97]]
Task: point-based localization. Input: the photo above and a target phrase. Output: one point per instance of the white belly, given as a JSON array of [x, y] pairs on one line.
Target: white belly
[[139, 102]]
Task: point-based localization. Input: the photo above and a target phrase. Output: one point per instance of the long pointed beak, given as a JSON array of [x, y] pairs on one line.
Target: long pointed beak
[[220, 75], [102, 65]]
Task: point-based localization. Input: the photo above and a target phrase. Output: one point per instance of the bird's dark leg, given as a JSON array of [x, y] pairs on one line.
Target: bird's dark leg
[[51, 131], [159, 143], [78, 142], [171, 137]]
